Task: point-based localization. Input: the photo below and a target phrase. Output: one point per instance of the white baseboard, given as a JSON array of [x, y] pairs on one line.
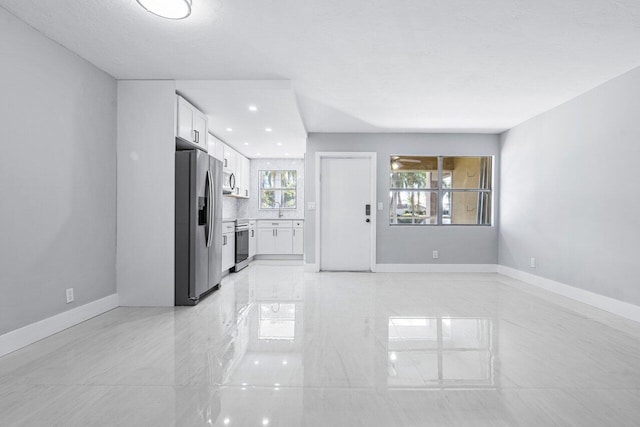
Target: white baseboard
[[436, 268], [14, 340], [621, 308]]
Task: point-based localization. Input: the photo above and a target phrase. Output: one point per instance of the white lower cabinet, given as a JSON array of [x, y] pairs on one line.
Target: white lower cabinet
[[298, 241], [228, 245], [253, 239], [266, 241], [284, 240], [279, 237]]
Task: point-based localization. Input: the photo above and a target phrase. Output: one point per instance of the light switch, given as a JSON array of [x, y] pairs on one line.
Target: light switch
[[311, 206], [380, 207]]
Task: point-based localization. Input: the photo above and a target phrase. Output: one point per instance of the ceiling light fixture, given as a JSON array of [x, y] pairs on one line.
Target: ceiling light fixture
[[246, 143], [286, 154], [279, 144], [253, 108], [268, 129], [229, 130], [170, 9]]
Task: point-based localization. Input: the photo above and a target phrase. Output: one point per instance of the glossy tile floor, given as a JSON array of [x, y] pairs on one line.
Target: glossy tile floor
[[280, 347]]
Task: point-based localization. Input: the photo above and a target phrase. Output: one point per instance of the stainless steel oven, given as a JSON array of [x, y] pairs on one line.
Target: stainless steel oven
[[242, 244]]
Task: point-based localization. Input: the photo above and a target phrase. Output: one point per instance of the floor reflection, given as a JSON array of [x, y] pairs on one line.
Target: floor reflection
[[279, 347], [440, 352]]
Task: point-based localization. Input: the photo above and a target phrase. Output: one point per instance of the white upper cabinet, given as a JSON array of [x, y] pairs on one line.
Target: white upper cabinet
[[246, 171], [216, 147], [238, 165], [191, 125], [229, 158]]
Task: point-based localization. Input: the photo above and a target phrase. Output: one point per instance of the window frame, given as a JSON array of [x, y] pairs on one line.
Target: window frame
[[277, 189], [440, 190]]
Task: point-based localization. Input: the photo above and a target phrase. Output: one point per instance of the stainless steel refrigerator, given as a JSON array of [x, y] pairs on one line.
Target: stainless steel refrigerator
[[198, 226]]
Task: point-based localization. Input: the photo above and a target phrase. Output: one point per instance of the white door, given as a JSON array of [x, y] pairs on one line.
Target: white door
[[345, 229]]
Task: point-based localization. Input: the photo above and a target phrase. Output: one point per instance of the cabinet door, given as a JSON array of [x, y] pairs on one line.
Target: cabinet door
[[266, 241], [219, 151], [252, 242], [214, 147], [298, 241], [284, 241], [239, 190], [246, 171], [228, 251], [229, 159], [186, 118], [200, 129]]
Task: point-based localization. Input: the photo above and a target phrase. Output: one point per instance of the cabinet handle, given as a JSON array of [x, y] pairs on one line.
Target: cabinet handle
[[294, 232], [196, 135], [276, 232], [252, 233], [224, 240], [225, 163]]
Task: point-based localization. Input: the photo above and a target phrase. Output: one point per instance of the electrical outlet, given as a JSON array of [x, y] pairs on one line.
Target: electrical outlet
[[532, 263], [435, 254], [69, 295]]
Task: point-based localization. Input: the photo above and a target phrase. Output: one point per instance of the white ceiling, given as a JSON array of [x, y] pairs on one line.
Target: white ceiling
[[227, 102], [367, 65]]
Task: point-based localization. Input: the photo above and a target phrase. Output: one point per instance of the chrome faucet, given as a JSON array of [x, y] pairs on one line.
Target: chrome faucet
[[280, 213]]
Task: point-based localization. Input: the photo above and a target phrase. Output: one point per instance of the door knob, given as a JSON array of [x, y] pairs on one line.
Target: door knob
[[367, 220]]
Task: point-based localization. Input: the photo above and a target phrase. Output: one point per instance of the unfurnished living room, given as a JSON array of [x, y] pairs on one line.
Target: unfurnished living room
[[319, 213]]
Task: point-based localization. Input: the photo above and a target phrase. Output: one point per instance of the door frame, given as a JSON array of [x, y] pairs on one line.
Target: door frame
[[373, 159]]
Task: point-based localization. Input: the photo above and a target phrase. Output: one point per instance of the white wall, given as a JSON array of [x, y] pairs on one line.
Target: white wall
[[410, 244], [249, 208], [569, 192], [146, 192], [57, 177]]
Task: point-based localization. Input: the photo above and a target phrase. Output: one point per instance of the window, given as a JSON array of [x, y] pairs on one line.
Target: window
[[278, 189], [440, 190]]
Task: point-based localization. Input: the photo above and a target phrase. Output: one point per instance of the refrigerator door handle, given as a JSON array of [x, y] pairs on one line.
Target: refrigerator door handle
[[211, 210]]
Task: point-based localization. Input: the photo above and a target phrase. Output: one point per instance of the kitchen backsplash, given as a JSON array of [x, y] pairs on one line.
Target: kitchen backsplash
[[248, 208], [229, 207]]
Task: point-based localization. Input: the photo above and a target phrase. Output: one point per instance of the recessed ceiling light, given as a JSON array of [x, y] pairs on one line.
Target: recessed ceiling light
[[246, 143], [229, 130], [170, 9], [257, 154], [286, 154], [253, 108], [268, 129], [279, 144]]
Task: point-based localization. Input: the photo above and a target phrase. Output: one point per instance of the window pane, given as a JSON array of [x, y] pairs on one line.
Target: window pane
[[468, 172], [447, 179], [288, 179], [466, 208], [414, 163], [268, 199], [289, 197], [413, 207], [415, 179], [267, 179]]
